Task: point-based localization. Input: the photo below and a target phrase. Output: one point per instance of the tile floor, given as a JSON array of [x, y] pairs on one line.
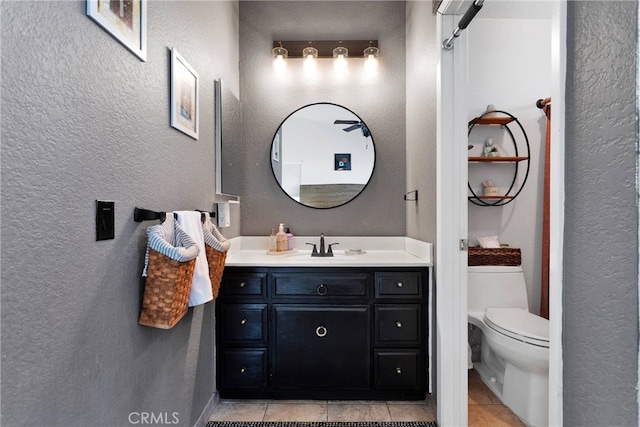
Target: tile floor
[[485, 409], [321, 410]]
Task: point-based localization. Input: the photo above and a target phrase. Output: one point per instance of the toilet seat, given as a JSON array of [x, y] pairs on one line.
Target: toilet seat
[[519, 324]]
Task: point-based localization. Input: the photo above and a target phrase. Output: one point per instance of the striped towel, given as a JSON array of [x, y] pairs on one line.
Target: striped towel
[[213, 237], [170, 239]]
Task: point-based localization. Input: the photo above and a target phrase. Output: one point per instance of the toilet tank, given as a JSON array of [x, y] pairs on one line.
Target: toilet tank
[[496, 286]]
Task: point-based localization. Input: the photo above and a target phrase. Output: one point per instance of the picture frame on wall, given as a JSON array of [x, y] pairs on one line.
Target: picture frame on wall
[[125, 20], [342, 162], [185, 115]]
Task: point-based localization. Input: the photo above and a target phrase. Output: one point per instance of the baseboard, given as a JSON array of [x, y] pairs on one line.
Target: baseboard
[[207, 412]]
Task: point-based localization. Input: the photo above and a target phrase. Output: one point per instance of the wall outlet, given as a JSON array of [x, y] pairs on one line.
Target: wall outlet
[[224, 215]]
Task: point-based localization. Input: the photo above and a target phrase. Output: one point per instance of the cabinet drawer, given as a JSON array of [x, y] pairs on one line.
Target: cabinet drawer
[[397, 368], [244, 368], [395, 323], [244, 322], [244, 284], [399, 285], [320, 285]]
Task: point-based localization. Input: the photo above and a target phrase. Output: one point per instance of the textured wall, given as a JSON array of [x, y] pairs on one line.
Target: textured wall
[[268, 99], [84, 119], [421, 120], [600, 305]]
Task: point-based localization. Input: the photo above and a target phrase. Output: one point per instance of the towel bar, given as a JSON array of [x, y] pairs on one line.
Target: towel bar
[[140, 215]]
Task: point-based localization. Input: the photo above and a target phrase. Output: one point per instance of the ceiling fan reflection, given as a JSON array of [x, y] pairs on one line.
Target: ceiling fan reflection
[[355, 124]]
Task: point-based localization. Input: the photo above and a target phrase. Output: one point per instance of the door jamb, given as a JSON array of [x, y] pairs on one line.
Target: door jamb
[[451, 263]]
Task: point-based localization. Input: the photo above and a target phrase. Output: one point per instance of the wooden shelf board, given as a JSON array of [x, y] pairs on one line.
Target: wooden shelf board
[[491, 197], [495, 120], [497, 159]]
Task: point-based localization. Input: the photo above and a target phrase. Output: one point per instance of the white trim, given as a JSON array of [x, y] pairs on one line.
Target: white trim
[[452, 207], [558, 73]]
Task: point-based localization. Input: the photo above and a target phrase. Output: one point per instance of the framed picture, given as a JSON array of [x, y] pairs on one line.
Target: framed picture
[[184, 96], [126, 20], [342, 161]]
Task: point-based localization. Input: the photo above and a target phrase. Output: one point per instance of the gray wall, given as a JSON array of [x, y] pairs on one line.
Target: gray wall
[[421, 120], [600, 323], [84, 119], [268, 99]]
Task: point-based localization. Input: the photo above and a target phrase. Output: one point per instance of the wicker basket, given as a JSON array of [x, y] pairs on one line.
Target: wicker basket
[[216, 260], [166, 291], [494, 256]]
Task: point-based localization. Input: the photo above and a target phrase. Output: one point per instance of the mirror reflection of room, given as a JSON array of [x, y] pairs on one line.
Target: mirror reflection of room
[[323, 155]]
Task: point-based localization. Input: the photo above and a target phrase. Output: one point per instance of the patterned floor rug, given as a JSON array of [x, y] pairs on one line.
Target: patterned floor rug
[[320, 424]]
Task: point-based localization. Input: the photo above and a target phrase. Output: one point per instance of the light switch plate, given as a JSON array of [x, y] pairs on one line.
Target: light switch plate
[[105, 220]]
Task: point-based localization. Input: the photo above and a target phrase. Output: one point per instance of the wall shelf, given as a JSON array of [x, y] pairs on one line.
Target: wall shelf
[[503, 119], [492, 120], [490, 197], [498, 159]]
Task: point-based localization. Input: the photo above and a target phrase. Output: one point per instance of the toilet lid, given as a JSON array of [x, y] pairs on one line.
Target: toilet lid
[[519, 324]]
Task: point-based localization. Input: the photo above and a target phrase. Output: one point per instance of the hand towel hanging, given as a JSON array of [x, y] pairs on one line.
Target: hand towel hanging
[[201, 287]]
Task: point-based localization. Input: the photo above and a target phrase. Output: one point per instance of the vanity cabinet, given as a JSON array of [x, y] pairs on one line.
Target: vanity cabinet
[[322, 333]]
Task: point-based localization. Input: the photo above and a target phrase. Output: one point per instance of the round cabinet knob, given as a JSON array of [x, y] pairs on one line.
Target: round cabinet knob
[[321, 290], [243, 322], [399, 324], [399, 284], [243, 370], [321, 331], [243, 284], [398, 370]]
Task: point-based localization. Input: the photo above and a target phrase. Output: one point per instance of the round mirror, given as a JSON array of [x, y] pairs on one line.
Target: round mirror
[[323, 155]]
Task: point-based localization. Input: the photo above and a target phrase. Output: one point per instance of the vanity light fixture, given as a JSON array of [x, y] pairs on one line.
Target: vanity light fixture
[[291, 49], [310, 52], [371, 51], [340, 51], [279, 52]]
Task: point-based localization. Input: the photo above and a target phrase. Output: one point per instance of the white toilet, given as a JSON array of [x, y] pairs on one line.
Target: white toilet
[[515, 343]]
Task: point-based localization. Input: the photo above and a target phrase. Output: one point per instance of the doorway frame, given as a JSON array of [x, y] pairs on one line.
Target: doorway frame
[[452, 217]]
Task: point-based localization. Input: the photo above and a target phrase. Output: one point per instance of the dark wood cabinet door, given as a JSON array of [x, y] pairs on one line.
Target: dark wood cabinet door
[[322, 347]]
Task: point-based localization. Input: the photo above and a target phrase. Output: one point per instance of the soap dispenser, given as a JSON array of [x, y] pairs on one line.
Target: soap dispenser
[[272, 241], [281, 239], [289, 240]]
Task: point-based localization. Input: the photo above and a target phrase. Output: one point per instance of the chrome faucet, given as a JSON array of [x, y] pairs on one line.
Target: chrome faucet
[[322, 252]]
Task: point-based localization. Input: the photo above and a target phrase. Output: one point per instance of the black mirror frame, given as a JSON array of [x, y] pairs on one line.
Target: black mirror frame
[[373, 167]]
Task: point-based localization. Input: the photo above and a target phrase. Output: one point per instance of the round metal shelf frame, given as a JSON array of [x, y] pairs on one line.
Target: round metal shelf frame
[[507, 198]]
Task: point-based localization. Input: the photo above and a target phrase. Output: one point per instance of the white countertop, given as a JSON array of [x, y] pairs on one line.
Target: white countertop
[[250, 251]]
